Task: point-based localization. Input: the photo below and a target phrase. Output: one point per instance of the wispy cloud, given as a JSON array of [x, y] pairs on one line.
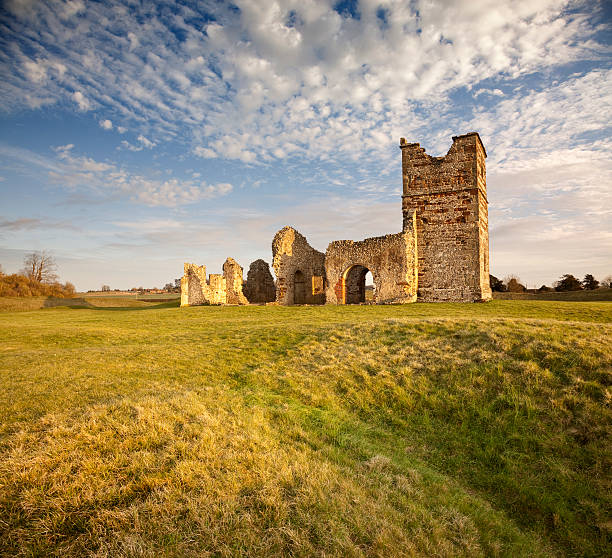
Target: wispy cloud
[[29, 223], [73, 172]]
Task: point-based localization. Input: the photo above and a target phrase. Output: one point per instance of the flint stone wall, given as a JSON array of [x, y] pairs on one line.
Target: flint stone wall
[[219, 289], [391, 259], [232, 273], [293, 258], [259, 286], [449, 196], [194, 289]]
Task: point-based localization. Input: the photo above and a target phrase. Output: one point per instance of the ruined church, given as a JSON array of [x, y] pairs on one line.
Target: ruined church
[[441, 254]]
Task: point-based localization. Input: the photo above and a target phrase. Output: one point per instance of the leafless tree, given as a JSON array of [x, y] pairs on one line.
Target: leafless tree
[[40, 266], [513, 284]]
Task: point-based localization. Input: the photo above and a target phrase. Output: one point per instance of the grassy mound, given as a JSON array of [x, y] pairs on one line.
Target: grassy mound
[[449, 429]]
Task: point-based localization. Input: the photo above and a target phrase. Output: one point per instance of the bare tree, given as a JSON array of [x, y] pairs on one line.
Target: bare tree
[[40, 266], [513, 284], [105, 288]]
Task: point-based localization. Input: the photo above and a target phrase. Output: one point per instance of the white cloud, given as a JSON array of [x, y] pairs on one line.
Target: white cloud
[[145, 142], [131, 147], [205, 152], [256, 80], [495, 92], [81, 101], [106, 124]]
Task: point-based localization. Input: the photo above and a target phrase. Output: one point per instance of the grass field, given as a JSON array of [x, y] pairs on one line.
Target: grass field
[[417, 430], [597, 295]]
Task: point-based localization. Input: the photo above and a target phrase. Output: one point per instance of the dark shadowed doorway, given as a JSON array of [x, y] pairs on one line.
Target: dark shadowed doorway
[[299, 288], [355, 284]]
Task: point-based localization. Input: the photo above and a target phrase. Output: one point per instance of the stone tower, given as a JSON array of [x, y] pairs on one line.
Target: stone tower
[[449, 195]]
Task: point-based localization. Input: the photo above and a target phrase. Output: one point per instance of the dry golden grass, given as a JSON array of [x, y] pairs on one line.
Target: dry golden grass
[[423, 430]]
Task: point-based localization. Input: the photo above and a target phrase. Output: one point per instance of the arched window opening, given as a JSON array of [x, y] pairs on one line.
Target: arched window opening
[[369, 287]]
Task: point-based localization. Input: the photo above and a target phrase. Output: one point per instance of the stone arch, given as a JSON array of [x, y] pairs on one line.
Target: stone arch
[[354, 284], [391, 259], [299, 288]]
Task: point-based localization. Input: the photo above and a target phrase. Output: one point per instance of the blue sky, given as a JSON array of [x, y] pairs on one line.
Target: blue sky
[[135, 136]]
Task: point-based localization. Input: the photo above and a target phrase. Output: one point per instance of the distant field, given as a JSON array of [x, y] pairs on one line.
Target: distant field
[[127, 294], [142, 429], [602, 294]]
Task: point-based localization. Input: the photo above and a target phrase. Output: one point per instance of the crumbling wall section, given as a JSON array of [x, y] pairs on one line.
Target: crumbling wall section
[[259, 286], [218, 289], [299, 269], [391, 259], [232, 272], [450, 199], [194, 289]]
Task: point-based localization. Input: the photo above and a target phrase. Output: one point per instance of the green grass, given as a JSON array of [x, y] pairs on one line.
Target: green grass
[[596, 295], [418, 430]]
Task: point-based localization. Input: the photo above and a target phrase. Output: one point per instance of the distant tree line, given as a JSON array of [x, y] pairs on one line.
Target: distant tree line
[[37, 278], [567, 282]]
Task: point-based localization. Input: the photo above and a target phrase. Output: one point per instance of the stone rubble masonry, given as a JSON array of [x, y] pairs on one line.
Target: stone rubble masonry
[[194, 289], [259, 286], [391, 259], [449, 195], [219, 289], [233, 281], [441, 255], [299, 269]]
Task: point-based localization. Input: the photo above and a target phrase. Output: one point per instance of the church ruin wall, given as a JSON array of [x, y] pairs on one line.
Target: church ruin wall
[[391, 259], [259, 287], [299, 269]]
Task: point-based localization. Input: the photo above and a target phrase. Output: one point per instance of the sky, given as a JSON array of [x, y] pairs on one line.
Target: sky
[[136, 136]]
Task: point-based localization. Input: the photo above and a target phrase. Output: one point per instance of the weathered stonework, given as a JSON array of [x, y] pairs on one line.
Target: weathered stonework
[[233, 281], [391, 259], [219, 289], [194, 289], [299, 269], [449, 195], [442, 253], [259, 286]]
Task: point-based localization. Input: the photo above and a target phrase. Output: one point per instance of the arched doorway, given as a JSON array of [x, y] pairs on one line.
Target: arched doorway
[[299, 288], [354, 285]]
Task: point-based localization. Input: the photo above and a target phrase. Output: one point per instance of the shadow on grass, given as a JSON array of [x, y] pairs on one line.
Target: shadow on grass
[[82, 303], [173, 304], [52, 302]]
